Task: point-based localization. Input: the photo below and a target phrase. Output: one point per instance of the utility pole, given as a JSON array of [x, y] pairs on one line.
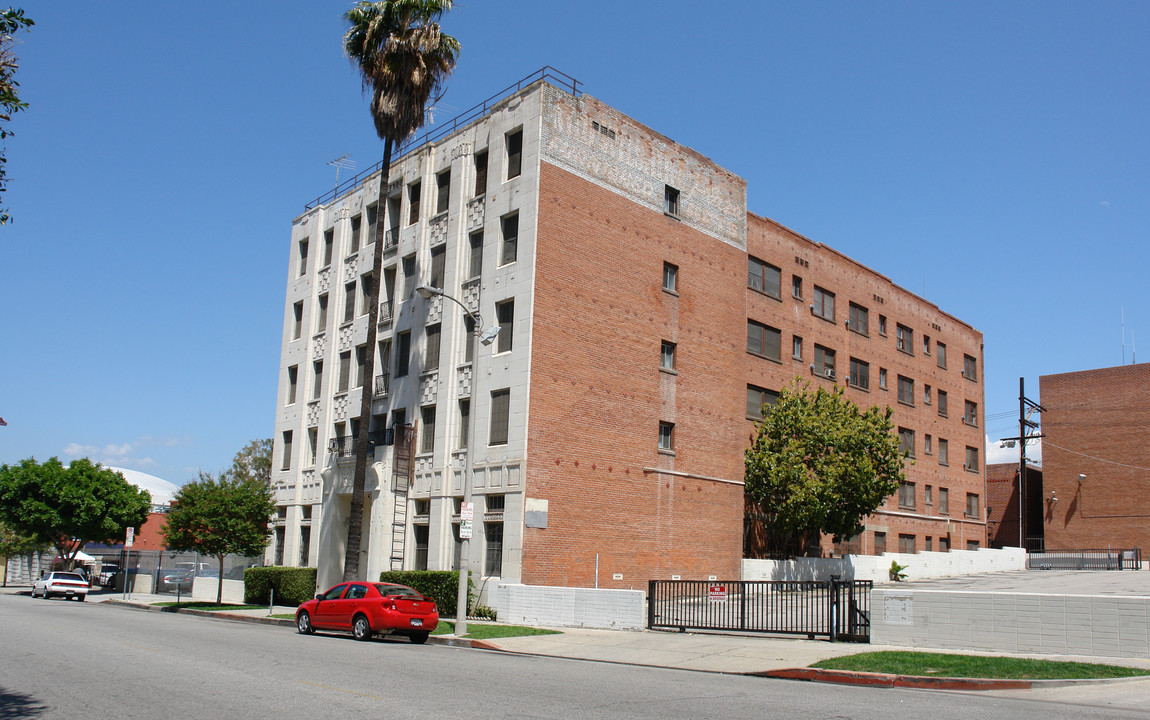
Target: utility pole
[[1027, 430]]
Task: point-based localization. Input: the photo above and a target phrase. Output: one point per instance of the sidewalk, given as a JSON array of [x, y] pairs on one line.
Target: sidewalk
[[767, 656]]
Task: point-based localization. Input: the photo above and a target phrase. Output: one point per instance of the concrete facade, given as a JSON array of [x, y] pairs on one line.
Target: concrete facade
[[1095, 423], [611, 415]]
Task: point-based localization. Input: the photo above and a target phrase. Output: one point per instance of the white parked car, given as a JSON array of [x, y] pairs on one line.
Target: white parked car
[[64, 584]]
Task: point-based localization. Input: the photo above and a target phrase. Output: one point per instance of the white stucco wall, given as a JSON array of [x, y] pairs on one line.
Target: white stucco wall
[[569, 607], [877, 567]]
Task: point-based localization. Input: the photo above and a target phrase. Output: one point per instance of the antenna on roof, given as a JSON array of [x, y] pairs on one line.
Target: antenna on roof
[[343, 162]]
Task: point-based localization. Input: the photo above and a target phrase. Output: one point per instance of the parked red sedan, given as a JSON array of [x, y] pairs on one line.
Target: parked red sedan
[[366, 609]]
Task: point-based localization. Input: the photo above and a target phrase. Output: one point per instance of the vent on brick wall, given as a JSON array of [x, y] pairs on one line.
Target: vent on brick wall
[[602, 129]]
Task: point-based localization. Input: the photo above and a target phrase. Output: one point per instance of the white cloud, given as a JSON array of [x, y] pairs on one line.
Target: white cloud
[[996, 455], [120, 455], [1105, 202]]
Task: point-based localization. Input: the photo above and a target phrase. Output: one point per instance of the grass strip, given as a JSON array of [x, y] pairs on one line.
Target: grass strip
[[898, 662], [481, 631]]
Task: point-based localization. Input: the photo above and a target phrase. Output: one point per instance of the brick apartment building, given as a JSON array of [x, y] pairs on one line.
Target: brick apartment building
[[645, 316], [1095, 458]]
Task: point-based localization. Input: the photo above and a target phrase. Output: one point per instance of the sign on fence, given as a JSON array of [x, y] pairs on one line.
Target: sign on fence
[[717, 593]]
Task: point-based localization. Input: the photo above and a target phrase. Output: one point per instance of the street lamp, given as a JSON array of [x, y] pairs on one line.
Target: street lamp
[[477, 336]]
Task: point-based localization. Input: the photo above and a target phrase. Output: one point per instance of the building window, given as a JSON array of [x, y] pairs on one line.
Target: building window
[[757, 398], [469, 339], [667, 437], [349, 302], [906, 441], [969, 367], [321, 314], [860, 374], [970, 414], [422, 540], [505, 317], [495, 503], [281, 532], [971, 544], [943, 505], [408, 277], [442, 192], [928, 495], [413, 203], [859, 320], [328, 245], [879, 543], [303, 257], [464, 422], [763, 277], [763, 341], [882, 378], [943, 452], [286, 465], [402, 353], [427, 432], [944, 544], [475, 261], [926, 394], [360, 361], [293, 378], [500, 416], [882, 325], [344, 371], [971, 459], [509, 248], [942, 397], [493, 541], [312, 445], [481, 173], [670, 201], [906, 544], [926, 544], [438, 260], [372, 225], [824, 361], [940, 354], [297, 320], [926, 443], [926, 344], [971, 505], [514, 143], [824, 305], [797, 347], [670, 277], [431, 352], [355, 229], [317, 379], [905, 390], [904, 339], [667, 358], [364, 294], [796, 287]]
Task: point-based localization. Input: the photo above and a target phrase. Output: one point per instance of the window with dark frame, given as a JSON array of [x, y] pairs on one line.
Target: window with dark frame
[[287, 450], [824, 361], [427, 431], [906, 543], [796, 347], [972, 505], [480, 173], [905, 390], [969, 367], [364, 294], [670, 277], [293, 380], [505, 317], [328, 246], [500, 416], [763, 340], [344, 371], [667, 357], [297, 320], [859, 320], [514, 145], [464, 422], [882, 325], [303, 257], [493, 549], [409, 277], [879, 542], [360, 363], [926, 394], [970, 414], [321, 314], [402, 353], [971, 459], [940, 354], [882, 378], [509, 248], [906, 441], [942, 399], [355, 230], [943, 501], [349, 302], [431, 352], [317, 379], [667, 437], [413, 203], [757, 399], [763, 277], [824, 304], [904, 339], [943, 452], [442, 192], [796, 287], [670, 201], [860, 374], [475, 260]]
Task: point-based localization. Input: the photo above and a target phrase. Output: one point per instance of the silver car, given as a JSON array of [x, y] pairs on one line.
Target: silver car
[[64, 584]]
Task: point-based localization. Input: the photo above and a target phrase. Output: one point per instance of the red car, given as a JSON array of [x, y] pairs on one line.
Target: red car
[[366, 609]]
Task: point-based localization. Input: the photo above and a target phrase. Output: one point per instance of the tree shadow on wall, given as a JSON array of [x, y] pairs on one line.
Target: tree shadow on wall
[[19, 705]]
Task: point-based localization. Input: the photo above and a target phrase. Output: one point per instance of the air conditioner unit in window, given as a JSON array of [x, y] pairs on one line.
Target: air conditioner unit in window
[[830, 374]]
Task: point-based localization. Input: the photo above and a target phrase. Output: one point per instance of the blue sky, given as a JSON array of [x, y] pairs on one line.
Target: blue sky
[[992, 157]]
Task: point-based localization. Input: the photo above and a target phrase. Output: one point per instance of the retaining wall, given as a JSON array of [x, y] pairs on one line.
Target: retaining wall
[[569, 607], [877, 567]]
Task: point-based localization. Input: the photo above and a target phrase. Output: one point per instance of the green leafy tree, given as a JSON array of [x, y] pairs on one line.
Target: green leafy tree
[[220, 516], [68, 507], [404, 58], [12, 21], [819, 465], [254, 462], [13, 544]]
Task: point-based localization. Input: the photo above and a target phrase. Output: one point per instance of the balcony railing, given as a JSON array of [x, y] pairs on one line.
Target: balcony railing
[[384, 313], [382, 384], [390, 238], [342, 446]]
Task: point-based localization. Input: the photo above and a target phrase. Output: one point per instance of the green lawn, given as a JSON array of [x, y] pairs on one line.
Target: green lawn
[[971, 666], [480, 631]]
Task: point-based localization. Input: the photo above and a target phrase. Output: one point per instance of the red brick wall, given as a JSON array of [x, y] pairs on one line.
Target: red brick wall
[[597, 394], [1096, 424]]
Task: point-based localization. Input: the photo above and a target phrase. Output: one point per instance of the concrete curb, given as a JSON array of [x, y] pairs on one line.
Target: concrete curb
[[885, 680]]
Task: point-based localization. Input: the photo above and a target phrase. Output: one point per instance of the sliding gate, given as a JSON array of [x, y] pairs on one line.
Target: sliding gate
[[836, 609]]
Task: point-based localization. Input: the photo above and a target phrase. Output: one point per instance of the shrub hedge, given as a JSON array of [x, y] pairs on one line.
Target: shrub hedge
[[442, 586], [292, 585]]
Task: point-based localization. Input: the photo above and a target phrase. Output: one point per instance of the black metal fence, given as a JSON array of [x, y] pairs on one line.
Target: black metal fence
[[1109, 559], [836, 609]]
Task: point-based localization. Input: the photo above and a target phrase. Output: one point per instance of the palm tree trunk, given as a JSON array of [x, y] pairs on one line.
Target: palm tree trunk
[[367, 392]]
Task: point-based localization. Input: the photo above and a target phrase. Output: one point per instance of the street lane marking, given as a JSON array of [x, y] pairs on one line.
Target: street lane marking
[[349, 692]]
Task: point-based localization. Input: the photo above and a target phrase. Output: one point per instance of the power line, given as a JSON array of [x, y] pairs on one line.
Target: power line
[[1111, 462]]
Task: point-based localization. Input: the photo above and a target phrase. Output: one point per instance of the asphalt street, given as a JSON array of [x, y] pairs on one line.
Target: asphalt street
[[61, 659]]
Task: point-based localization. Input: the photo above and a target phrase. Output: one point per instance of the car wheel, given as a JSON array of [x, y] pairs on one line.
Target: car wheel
[[361, 628], [419, 638], [81, 597], [303, 624]]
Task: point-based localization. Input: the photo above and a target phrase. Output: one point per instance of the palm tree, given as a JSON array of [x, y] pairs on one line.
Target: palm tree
[[404, 58]]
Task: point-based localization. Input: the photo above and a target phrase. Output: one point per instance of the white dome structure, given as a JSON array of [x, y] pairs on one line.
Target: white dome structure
[[161, 490]]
